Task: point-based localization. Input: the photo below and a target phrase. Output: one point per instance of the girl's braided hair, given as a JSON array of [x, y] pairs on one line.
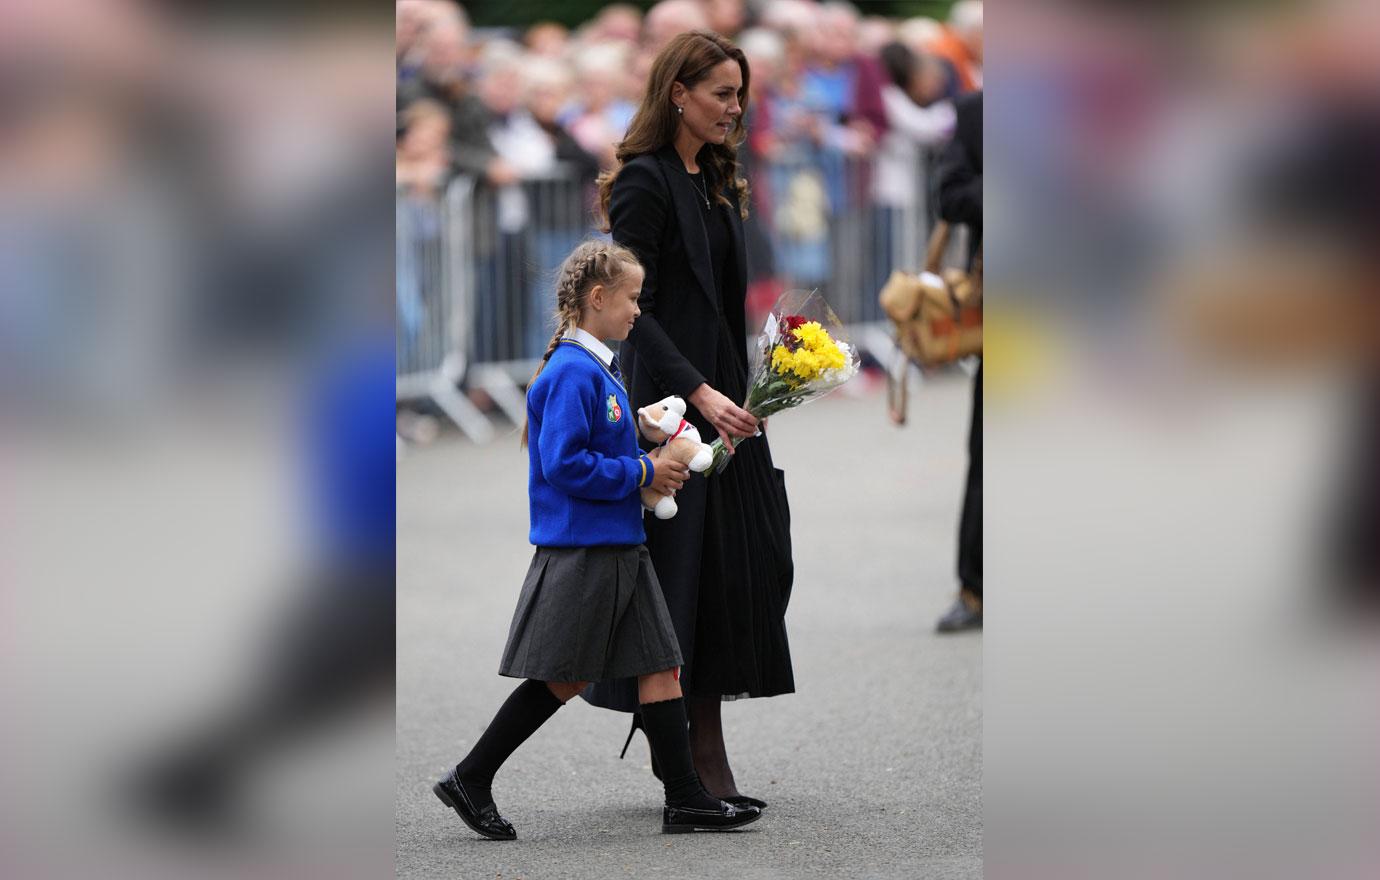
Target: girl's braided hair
[[594, 262]]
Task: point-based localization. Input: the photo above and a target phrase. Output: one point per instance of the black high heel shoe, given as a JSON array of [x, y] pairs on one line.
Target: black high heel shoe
[[636, 726]]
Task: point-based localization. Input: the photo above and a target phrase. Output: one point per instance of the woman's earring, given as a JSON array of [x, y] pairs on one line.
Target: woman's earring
[[680, 109]]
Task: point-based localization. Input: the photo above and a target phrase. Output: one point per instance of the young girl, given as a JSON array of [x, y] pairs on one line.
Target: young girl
[[590, 607]]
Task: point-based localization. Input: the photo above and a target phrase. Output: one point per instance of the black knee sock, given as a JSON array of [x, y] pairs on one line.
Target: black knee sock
[[525, 710], [667, 732]]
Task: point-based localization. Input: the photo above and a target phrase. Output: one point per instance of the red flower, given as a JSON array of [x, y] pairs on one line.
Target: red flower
[[792, 322]]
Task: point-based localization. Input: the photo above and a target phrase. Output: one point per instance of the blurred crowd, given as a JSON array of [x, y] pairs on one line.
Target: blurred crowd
[[842, 109], [505, 104]]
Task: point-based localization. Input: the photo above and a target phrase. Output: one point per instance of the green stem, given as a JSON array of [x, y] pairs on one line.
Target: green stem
[[722, 456]]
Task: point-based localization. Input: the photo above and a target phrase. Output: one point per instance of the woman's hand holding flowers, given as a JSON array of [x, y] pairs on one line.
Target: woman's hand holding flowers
[[729, 419]]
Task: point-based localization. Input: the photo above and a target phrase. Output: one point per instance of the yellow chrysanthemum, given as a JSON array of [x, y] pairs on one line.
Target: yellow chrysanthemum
[[803, 363], [832, 356], [813, 336], [780, 359], [807, 364], [816, 353], [817, 340]]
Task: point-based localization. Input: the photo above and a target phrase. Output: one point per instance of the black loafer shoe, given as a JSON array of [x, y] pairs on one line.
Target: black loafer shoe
[[742, 800], [683, 820], [959, 618], [483, 820]]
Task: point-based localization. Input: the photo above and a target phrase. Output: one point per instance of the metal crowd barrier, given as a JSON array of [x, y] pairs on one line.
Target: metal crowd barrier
[[476, 270], [521, 235], [434, 253]]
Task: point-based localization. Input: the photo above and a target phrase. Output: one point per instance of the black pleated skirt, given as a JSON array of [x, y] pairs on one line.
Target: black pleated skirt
[[589, 614]]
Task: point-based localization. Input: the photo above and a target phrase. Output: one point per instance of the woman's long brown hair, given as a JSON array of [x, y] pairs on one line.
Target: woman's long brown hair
[[687, 59]]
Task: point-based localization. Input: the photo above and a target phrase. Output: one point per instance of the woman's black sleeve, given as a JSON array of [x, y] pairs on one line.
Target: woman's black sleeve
[[959, 186], [638, 213], [958, 177]]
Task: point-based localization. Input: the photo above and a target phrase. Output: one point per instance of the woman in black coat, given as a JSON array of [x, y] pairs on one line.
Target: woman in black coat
[[724, 561], [958, 185]]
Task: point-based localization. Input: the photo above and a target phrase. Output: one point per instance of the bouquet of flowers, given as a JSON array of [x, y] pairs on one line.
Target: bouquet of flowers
[[802, 354]]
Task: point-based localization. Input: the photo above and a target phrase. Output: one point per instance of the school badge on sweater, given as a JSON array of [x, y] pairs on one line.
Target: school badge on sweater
[[615, 411]]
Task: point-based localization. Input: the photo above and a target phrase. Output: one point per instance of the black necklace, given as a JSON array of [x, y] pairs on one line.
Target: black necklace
[[702, 189]]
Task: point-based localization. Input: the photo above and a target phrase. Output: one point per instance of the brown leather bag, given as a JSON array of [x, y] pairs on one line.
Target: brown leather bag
[[937, 316]]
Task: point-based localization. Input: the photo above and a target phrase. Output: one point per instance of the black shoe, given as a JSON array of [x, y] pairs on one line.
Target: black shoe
[[683, 820], [483, 820], [958, 618], [742, 800]]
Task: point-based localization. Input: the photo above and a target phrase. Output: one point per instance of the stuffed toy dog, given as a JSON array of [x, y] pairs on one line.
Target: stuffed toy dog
[[664, 422]]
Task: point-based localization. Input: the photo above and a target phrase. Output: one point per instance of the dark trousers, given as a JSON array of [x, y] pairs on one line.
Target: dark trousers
[[1353, 554], [970, 522]]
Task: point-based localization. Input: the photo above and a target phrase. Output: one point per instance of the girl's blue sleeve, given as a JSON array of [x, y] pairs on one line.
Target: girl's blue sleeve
[[567, 461]]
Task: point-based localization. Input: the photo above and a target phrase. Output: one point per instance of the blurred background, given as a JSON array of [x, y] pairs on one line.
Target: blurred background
[[1181, 440], [508, 112]]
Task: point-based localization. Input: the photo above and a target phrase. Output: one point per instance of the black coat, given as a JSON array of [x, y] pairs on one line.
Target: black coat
[[958, 175], [959, 185], [656, 212]]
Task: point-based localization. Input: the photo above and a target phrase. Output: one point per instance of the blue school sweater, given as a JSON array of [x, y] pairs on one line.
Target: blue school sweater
[[585, 467]]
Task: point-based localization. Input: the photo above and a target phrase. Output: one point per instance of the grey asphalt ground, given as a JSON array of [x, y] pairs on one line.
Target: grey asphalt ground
[[873, 768]]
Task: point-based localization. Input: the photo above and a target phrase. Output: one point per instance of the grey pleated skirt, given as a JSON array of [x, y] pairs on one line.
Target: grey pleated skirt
[[590, 614]]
